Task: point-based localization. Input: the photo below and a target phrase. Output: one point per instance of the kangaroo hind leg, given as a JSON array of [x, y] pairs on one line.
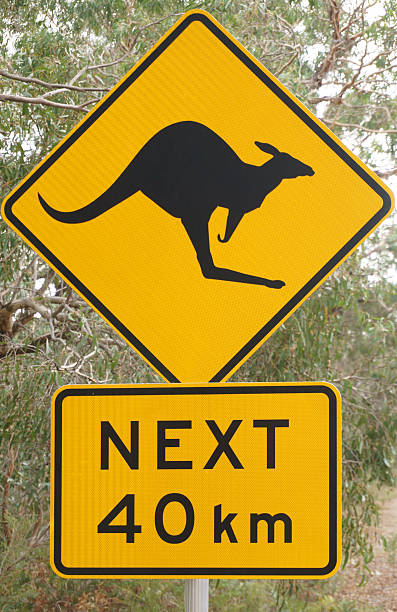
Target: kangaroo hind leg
[[197, 230]]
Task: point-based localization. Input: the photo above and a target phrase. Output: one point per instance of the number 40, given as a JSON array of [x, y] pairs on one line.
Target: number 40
[[130, 529]]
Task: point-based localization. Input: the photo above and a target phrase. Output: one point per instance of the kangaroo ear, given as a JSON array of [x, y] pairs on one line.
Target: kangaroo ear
[[267, 148]]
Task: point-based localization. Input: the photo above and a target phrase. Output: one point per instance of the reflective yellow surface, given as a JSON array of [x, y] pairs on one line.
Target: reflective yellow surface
[[299, 485]]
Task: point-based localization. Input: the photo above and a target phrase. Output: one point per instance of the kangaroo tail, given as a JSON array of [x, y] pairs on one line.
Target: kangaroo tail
[[119, 191]]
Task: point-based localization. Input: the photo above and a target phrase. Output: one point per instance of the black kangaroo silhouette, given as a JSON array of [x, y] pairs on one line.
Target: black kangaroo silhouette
[[188, 170]]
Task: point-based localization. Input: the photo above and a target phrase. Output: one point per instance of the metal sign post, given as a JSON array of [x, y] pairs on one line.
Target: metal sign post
[[196, 595]]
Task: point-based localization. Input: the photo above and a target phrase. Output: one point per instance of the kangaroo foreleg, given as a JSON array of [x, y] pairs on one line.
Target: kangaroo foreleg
[[197, 230]]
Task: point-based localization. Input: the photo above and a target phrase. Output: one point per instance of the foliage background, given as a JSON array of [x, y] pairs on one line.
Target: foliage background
[[57, 58]]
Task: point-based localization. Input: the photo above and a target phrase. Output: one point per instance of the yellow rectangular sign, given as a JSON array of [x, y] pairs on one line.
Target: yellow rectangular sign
[[198, 204], [237, 480]]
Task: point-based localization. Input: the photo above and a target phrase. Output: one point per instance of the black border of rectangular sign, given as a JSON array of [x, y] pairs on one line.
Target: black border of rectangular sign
[[299, 296], [203, 390]]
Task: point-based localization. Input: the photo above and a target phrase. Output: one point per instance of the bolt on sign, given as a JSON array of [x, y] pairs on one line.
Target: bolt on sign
[[219, 480], [198, 204]]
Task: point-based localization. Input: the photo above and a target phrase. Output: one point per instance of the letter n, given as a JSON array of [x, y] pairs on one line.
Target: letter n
[[131, 456]]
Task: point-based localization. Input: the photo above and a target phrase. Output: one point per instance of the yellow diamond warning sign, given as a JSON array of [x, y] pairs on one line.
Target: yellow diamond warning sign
[[211, 480], [198, 204]]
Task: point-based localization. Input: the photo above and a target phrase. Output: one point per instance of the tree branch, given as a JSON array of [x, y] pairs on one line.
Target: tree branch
[[44, 101], [357, 126], [285, 66], [386, 173], [17, 77]]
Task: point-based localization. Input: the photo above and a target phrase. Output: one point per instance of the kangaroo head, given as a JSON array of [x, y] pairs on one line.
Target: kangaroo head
[[288, 166]]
